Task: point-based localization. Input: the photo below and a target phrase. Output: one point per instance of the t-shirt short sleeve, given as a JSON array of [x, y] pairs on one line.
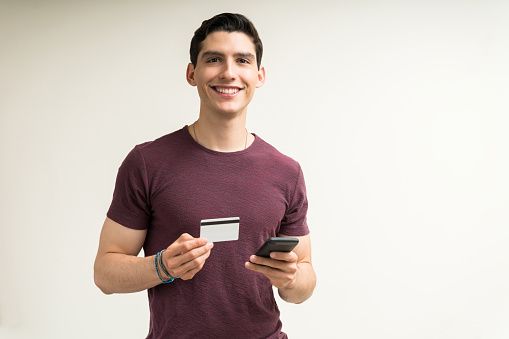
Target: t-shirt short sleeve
[[294, 222], [130, 205]]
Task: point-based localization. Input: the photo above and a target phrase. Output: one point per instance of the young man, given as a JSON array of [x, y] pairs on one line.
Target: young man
[[211, 169]]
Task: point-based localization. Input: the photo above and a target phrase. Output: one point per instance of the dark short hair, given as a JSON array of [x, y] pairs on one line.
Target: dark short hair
[[225, 22]]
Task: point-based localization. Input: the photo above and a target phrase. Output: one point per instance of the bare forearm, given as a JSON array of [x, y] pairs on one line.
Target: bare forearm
[[122, 273], [303, 287]]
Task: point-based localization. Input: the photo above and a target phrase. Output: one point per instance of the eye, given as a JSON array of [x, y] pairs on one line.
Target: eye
[[243, 61], [212, 60]]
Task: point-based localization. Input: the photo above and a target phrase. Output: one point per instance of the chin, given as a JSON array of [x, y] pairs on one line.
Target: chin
[[231, 110]]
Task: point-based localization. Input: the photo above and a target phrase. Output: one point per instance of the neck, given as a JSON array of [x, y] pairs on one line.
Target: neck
[[221, 135]]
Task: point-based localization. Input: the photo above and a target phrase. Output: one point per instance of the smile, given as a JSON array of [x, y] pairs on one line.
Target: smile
[[226, 90]]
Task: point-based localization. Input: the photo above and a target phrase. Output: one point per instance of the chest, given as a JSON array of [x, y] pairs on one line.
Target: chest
[[181, 197]]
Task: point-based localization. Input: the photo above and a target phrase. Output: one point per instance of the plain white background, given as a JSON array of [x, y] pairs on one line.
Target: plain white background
[[396, 110]]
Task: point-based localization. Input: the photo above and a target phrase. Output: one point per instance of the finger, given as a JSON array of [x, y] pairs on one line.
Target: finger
[[190, 268], [175, 259], [275, 267], [190, 274], [261, 268], [185, 236], [194, 253], [253, 267], [284, 256], [269, 262], [182, 246], [271, 273], [277, 277]]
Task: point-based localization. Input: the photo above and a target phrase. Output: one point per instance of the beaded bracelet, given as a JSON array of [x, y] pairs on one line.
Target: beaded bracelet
[[157, 270], [161, 264]]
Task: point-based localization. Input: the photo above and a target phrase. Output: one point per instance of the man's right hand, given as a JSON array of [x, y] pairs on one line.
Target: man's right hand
[[186, 256], [118, 269]]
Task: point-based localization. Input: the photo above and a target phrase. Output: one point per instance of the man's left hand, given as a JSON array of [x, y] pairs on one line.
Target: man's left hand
[[281, 268]]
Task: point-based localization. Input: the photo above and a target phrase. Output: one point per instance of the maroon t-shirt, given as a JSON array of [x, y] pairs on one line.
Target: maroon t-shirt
[[168, 186]]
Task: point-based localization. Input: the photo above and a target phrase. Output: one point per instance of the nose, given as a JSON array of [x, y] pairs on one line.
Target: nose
[[228, 71]]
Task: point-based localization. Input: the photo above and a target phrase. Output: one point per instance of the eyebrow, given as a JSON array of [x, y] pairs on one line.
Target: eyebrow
[[238, 54]]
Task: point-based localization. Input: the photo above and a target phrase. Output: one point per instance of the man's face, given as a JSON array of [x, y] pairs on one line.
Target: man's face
[[226, 74]]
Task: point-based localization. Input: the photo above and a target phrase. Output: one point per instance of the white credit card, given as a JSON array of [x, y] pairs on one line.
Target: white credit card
[[222, 229]]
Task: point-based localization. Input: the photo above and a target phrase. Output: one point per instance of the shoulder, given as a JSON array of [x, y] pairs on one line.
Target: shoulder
[[169, 147], [169, 142], [151, 153], [276, 161]]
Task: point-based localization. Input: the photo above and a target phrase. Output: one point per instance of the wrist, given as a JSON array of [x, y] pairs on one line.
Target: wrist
[[162, 266], [292, 284], [159, 268]]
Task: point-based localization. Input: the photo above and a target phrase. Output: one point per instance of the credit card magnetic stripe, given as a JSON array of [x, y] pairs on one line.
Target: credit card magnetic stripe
[[220, 221]]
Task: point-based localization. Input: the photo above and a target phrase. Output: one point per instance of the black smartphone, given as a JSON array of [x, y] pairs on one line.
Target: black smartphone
[[277, 244]]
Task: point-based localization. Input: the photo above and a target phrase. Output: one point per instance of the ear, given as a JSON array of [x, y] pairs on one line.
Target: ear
[[190, 74], [261, 77]]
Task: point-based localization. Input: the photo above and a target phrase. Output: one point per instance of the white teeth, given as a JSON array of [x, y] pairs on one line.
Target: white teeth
[[227, 90]]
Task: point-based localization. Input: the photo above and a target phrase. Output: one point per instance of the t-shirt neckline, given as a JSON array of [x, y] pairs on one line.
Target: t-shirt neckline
[[190, 138]]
